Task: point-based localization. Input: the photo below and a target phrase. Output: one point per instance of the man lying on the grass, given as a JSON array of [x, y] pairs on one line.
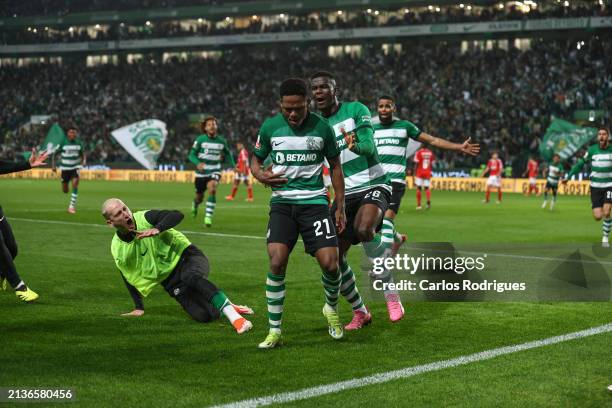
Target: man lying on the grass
[[148, 250]]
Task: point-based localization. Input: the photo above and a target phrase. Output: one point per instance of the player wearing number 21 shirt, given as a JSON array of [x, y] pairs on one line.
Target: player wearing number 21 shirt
[[298, 141]]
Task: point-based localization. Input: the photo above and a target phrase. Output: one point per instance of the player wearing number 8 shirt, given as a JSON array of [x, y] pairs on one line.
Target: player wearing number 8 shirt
[[298, 141], [368, 188]]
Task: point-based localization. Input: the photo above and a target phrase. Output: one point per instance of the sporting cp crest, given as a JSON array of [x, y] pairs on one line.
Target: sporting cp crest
[[149, 140], [311, 143], [143, 140], [279, 158]]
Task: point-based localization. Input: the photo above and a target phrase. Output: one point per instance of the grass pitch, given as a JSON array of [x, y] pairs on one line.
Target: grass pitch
[[74, 337]]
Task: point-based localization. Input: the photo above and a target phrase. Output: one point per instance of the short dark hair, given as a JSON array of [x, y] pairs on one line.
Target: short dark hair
[[604, 128], [324, 74], [72, 127], [293, 86], [386, 96]]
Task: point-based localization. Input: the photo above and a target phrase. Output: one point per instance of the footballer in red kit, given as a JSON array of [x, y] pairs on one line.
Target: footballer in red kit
[[532, 172], [241, 173], [423, 159], [494, 167]]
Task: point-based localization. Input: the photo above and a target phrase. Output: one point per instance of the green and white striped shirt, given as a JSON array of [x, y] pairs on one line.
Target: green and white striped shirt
[[299, 154], [71, 154], [554, 173], [601, 166], [211, 151], [392, 141], [361, 173]]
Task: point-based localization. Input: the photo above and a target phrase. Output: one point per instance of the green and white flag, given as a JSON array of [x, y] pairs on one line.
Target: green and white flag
[[565, 139], [55, 136], [143, 140]]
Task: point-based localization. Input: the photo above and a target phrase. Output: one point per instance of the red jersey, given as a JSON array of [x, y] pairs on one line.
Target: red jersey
[[495, 167], [242, 164], [423, 159], [532, 168]]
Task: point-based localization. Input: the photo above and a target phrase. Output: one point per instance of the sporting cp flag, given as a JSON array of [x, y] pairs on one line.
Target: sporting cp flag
[[565, 139], [55, 136], [143, 140]]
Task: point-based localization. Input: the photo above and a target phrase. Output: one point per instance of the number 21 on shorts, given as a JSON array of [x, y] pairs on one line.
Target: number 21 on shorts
[[319, 224]]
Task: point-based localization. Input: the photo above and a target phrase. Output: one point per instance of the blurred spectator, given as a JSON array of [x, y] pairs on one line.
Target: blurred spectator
[[312, 22], [503, 99]]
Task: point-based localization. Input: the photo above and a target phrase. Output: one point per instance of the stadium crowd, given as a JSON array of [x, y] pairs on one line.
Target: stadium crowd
[[315, 21], [504, 99], [18, 8]]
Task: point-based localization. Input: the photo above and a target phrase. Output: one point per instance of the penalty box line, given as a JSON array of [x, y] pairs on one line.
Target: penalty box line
[[313, 392]]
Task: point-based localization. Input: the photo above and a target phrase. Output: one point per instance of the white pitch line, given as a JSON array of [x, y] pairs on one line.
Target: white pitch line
[[82, 224], [320, 390]]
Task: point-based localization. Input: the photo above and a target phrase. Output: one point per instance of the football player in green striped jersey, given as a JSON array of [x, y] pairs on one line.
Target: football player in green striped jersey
[[368, 186], [600, 158], [368, 189], [552, 173], [72, 159], [391, 136], [298, 141], [208, 153]]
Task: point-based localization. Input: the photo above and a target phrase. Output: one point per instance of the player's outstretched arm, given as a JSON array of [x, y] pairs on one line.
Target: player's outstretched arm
[[337, 177], [136, 297], [266, 177], [13, 167], [37, 160], [162, 220], [574, 170], [466, 147]]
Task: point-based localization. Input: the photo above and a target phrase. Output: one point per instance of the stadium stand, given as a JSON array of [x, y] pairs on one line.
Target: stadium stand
[[329, 20], [499, 86]]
